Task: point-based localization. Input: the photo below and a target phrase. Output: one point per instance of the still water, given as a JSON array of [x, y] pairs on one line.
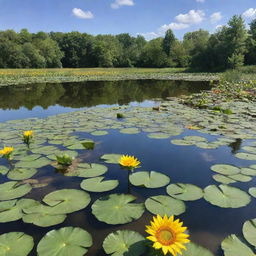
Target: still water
[[208, 225]]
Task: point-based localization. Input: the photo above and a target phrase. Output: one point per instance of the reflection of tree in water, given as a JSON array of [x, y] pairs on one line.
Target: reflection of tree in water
[[87, 94], [236, 146]]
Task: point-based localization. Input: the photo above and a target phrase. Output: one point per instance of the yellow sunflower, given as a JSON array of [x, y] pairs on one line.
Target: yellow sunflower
[[6, 152], [129, 162], [168, 235]]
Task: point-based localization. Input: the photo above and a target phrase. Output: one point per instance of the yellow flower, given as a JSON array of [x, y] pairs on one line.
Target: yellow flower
[[168, 235], [6, 151], [28, 134], [129, 161]]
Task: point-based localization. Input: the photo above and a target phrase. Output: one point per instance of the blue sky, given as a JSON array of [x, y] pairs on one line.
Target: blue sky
[[148, 17]]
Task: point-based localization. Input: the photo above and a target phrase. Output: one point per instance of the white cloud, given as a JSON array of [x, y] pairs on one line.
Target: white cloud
[[79, 13], [250, 13], [149, 36], [192, 17], [118, 3], [200, 1], [218, 27], [215, 17], [174, 26]]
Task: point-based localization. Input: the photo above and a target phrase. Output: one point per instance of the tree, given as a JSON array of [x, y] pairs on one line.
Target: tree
[[250, 57], [168, 42]]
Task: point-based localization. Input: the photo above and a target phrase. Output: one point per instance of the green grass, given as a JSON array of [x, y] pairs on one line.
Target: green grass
[[29, 76]]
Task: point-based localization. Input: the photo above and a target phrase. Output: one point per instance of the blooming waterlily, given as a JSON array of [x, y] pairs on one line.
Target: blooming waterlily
[[168, 234], [27, 136], [129, 162], [6, 152]]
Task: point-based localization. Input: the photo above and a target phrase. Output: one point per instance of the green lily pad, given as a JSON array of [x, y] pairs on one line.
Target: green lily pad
[[111, 158], [124, 243], [117, 209], [240, 177], [232, 246], [88, 144], [195, 138], [158, 135], [185, 192], [99, 133], [165, 205], [248, 171], [250, 149], [225, 169], [65, 242], [223, 179], [252, 191], [3, 170], [226, 196], [39, 163], [149, 179], [249, 231], [67, 200], [246, 156], [11, 190], [196, 250], [182, 142], [15, 244], [90, 171], [21, 174], [98, 185], [130, 131], [28, 158]]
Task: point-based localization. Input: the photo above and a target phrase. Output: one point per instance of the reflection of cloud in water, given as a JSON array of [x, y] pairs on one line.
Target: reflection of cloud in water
[[208, 240], [207, 157]]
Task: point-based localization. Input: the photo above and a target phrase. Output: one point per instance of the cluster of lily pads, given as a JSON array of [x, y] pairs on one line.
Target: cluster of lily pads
[[61, 142]]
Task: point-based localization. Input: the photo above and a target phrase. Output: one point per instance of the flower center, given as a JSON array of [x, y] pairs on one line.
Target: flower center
[[165, 236]]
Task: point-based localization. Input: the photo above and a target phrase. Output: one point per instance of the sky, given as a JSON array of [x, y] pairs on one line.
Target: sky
[[150, 18]]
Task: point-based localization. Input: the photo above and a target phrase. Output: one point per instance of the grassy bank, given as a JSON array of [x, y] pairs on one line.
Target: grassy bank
[[30, 76]]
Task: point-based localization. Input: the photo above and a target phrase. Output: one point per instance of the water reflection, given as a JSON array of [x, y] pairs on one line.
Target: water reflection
[[88, 94]]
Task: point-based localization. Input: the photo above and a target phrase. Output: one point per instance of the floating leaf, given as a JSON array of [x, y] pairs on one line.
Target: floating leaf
[[223, 179], [182, 143], [252, 191], [21, 174], [124, 243], [65, 242], [11, 190], [186, 192], [240, 177], [15, 244], [246, 156], [99, 133], [89, 171], [249, 231], [130, 130], [39, 163], [117, 209], [88, 144], [248, 171], [195, 138], [158, 135], [225, 169], [232, 246], [165, 205], [98, 185], [196, 250], [226, 196], [3, 170], [111, 158], [67, 200], [149, 179]]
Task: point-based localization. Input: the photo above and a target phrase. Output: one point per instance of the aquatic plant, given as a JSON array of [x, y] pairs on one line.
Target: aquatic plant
[[28, 136], [168, 235], [129, 162], [64, 160], [6, 152]]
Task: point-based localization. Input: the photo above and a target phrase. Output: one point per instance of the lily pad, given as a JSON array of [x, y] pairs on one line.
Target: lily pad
[[149, 179], [21, 174], [246, 156], [223, 179], [130, 131], [248, 171], [15, 244], [3, 170], [226, 196], [124, 243], [92, 170], [240, 177], [98, 185], [185, 192], [232, 246], [249, 231], [252, 191], [39, 163], [196, 250], [11, 190], [117, 209], [195, 138], [225, 169], [99, 133], [111, 158], [165, 205], [65, 242], [158, 135], [67, 200]]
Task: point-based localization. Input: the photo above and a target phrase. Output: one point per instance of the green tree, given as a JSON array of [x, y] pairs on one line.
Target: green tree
[[168, 42], [250, 57]]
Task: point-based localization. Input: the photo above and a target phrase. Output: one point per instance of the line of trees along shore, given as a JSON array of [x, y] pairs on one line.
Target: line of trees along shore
[[231, 46]]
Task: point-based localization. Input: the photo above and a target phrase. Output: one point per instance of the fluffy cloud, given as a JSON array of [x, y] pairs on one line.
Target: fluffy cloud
[[192, 17], [215, 17], [118, 3], [218, 27], [79, 13], [250, 13], [174, 26]]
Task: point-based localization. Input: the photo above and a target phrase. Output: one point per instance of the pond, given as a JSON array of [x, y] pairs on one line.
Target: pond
[[184, 148]]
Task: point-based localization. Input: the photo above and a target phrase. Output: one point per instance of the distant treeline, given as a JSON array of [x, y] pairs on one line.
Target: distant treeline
[[231, 46]]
